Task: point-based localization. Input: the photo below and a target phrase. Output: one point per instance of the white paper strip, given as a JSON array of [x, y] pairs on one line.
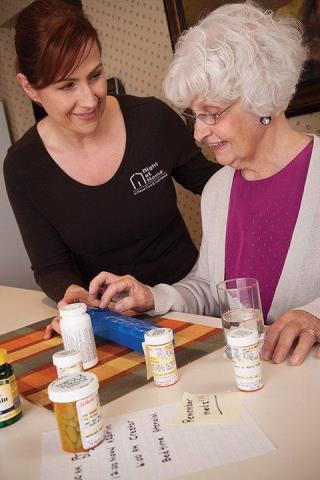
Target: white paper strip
[[144, 445]]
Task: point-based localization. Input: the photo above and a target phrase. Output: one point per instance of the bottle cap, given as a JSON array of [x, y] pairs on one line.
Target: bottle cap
[[3, 356], [73, 387], [158, 336], [242, 337], [72, 309], [66, 358]]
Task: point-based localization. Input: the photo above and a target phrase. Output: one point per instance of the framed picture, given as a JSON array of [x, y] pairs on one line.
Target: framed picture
[[182, 14]]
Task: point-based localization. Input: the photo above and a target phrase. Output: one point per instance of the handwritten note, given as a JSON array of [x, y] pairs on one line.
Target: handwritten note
[[144, 445], [215, 408]]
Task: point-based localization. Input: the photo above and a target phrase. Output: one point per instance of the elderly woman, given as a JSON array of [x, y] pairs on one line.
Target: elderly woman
[[237, 70]]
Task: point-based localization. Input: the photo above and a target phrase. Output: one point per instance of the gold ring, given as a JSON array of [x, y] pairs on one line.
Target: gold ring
[[311, 332]]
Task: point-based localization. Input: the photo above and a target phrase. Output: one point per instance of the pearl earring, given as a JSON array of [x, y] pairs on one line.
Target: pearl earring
[[265, 120]]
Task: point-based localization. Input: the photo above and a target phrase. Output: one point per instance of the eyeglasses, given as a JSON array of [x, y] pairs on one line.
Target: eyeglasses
[[207, 118]]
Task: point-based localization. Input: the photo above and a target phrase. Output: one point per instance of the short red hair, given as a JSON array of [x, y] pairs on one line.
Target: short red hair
[[51, 38]]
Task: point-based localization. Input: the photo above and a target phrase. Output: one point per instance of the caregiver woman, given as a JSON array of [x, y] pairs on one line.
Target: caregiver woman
[[91, 184], [237, 71]]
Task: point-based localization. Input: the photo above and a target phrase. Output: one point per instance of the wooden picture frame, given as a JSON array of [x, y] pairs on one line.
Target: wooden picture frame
[[307, 96]]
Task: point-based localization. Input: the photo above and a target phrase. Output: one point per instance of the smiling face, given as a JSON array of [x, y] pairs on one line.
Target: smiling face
[[77, 102], [235, 137]]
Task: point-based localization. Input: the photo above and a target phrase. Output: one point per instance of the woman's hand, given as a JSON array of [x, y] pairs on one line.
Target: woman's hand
[[76, 294], [295, 324], [125, 292], [54, 326], [73, 294]]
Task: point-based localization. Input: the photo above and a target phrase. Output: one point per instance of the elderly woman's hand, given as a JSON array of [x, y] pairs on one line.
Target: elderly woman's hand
[[283, 332], [73, 294], [125, 292]]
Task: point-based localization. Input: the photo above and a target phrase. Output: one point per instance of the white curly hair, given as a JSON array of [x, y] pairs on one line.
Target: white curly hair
[[238, 52]]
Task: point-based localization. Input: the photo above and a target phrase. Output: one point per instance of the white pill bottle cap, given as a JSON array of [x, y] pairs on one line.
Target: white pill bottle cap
[[242, 337], [73, 387], [66, 358], [72, 309], [158, 336]]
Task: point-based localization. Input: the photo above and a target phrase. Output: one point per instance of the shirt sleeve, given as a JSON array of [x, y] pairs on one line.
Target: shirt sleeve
[[312, 307], [193, 294], [51, 260], [191, 168]]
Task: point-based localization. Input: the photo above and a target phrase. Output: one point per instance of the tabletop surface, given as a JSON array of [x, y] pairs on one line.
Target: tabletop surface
[[286, 408]]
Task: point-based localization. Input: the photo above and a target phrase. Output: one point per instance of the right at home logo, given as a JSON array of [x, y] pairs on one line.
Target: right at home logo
[[147, 178]]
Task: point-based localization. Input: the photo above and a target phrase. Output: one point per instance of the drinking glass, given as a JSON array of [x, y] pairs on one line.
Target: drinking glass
[[240, 306]]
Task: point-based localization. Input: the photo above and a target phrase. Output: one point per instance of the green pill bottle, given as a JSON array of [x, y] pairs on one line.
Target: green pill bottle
[[10, 408]]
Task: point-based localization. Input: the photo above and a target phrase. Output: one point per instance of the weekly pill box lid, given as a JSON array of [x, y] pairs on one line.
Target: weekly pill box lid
[[73, 387], [241, 337], [158, 336], [72, 309], [66, 358]]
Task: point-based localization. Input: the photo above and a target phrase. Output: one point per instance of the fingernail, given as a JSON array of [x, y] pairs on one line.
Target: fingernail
[[117, 307], [266, 355], [277, 359], [295, 359]]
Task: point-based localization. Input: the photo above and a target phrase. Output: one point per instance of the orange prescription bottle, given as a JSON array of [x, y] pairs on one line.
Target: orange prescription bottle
[[77, 410]]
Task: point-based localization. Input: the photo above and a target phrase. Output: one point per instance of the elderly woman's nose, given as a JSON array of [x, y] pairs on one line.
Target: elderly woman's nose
[[201, 130]]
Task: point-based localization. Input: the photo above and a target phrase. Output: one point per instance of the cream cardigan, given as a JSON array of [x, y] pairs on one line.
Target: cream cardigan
[[299, 283]]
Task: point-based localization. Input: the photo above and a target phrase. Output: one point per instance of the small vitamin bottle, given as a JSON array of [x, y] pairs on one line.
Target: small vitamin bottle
[[77, 332], [10, 407], [67, 362], [159, 343], [245, 354], [77, 410]]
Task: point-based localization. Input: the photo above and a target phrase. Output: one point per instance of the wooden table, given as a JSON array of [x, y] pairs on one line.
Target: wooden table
[[287, 408]]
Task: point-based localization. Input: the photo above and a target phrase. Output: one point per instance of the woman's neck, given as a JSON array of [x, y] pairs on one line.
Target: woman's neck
[[278, 146], [90, 160], [57, 137]]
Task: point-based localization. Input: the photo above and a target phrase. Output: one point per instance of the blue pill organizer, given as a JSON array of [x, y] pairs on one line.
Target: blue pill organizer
[[121, 329]]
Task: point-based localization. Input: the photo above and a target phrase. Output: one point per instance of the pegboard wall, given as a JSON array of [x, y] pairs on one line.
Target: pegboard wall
[[135, 39], [18, 107], [136, 48]]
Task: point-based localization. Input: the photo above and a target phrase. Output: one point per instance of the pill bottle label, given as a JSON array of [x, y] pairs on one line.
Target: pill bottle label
[[64, 371], [247, 367], [90, 421], [83, 340], [163, 364], [9, 399]]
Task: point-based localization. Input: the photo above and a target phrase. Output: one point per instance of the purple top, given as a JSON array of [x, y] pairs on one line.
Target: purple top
[[261, 219]]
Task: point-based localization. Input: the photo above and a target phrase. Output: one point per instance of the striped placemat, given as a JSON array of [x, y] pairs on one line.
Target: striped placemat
[[120, 370]]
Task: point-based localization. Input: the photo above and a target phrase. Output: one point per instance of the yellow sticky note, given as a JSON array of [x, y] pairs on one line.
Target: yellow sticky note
[[213, 408]]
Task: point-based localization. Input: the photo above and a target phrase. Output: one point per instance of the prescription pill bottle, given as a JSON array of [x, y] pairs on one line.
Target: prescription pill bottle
[[10, 408], [245, 354], [67, 362], [77, 333], [77, 410], [160, 348]]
